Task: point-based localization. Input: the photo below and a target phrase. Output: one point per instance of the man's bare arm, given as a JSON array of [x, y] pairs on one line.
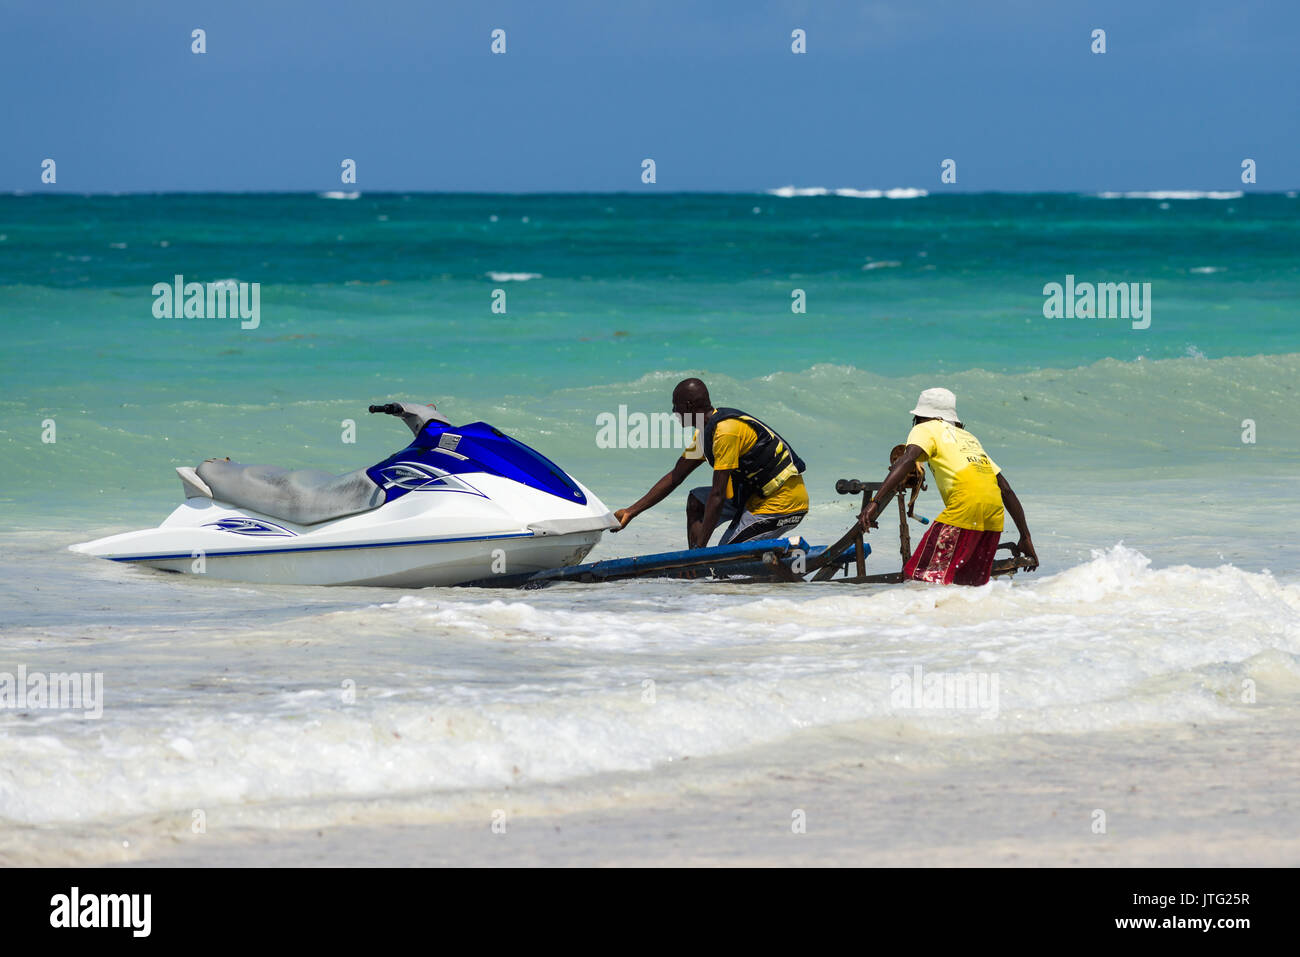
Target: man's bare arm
[[905, 465], [660, 491], [1017, 513]]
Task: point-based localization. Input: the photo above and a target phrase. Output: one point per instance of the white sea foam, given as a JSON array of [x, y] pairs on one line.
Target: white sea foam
[[338, 194], [1173, 194], [513, 276], [459, 691], [788, 192], [898, 193]]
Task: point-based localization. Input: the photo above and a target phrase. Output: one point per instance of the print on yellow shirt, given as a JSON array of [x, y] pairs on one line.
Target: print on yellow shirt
[[967, 478]]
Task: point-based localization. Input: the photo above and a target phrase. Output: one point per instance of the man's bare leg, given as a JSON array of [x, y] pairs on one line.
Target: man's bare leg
[[694, 513]]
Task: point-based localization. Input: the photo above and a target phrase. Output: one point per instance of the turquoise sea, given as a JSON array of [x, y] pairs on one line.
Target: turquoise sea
[[1157, 467], [391, 296]]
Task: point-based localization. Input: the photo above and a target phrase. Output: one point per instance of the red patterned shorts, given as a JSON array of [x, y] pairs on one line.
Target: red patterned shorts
[[953, 556]]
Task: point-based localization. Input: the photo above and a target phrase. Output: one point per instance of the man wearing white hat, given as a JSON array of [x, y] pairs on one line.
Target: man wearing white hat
[[958, 547]]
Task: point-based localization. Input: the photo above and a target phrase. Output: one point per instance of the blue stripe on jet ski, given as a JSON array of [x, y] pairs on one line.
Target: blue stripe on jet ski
[[187, 556]]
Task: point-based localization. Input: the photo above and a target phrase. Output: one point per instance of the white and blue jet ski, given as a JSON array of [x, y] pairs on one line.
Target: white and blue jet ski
[[459, 504]]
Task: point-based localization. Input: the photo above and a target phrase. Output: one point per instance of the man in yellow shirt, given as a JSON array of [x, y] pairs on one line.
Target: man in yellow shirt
[[756, 482], [959, 546]]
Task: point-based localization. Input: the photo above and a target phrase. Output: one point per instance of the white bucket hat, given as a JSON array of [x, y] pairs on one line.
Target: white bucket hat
[[937, 404]]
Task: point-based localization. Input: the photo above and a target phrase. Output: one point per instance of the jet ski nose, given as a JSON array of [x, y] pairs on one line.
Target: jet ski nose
[[89, 548]]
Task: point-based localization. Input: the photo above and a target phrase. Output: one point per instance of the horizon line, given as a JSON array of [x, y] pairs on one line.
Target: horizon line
[[821, 192]]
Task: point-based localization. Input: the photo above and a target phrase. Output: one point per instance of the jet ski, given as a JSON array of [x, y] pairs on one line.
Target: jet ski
[[459, 504]]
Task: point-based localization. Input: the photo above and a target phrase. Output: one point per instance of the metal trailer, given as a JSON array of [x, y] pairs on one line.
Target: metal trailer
[[770, 560]]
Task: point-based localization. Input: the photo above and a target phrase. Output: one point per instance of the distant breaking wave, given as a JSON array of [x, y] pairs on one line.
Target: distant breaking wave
[[513, 276], [336, 194], [1174, 194], [788, 192]]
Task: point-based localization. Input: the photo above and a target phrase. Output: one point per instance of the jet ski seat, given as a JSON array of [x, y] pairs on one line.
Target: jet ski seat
[[304, 496]]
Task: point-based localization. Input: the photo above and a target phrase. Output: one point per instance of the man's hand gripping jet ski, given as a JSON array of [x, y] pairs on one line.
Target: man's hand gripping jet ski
[[459, 504]]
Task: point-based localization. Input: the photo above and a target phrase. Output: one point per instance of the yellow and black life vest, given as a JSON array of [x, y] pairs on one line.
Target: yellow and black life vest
[[765, 467]]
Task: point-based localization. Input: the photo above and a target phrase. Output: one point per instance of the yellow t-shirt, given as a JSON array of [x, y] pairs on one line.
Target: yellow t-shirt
[[966, 476], [732, 439]]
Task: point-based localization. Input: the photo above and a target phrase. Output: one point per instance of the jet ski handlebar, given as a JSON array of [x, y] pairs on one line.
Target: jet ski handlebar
[[391, 408]]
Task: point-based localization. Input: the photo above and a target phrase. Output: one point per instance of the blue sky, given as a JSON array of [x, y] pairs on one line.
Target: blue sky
[[586, 90]]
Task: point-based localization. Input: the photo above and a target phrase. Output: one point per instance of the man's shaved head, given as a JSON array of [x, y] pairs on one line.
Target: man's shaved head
[[691, 397]]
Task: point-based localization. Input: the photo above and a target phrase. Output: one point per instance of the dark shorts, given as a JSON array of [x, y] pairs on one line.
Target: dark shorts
[[746, 526]]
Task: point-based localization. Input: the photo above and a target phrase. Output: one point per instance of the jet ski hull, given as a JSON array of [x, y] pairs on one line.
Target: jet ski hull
[[419, 540], [414, 564]]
